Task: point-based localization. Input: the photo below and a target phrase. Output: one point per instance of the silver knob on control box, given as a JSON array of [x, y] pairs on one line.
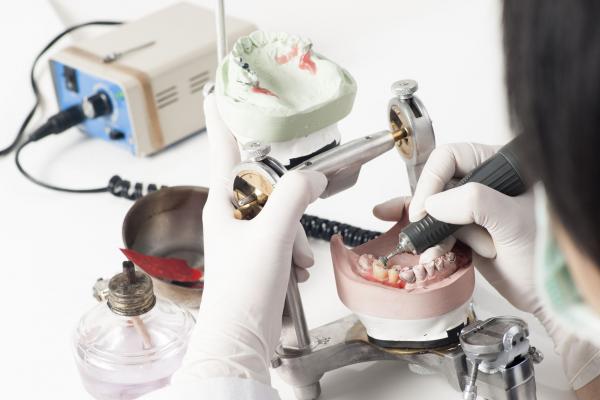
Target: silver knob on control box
[[405, 88]]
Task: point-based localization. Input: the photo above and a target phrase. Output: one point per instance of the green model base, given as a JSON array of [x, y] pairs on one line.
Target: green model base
[[272, 87]]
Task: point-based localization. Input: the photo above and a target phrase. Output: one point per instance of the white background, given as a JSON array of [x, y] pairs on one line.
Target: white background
[[53, 246]]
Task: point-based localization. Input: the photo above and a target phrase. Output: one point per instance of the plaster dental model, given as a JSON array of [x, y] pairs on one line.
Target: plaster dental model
[[275, 89], [406, 304]]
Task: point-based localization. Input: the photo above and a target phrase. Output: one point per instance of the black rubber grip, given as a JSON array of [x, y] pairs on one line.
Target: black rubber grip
[[501, 172]]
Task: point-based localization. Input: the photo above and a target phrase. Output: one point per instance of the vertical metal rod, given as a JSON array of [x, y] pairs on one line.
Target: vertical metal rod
[[414, 172], [221, 36], [470, 392], [296, 313]]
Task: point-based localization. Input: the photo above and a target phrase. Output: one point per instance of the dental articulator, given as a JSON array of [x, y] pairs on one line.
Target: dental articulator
[[264, 90]]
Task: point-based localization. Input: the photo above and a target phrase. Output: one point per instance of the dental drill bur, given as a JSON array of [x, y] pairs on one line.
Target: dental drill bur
[[502, 172]]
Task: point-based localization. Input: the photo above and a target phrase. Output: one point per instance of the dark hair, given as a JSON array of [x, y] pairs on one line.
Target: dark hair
[[552, 53]]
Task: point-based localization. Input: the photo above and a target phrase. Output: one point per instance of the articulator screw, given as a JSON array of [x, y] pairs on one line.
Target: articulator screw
[[256, 151], [405, 88], [536, 355]]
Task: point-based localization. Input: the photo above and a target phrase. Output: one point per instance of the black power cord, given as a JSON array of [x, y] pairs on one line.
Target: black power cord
[[8, 149], [117, 186], [63, 121], [57, 123], [48, 185]]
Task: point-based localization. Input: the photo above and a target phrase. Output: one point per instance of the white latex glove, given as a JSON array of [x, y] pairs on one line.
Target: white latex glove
[[247, 267], [501, 232]]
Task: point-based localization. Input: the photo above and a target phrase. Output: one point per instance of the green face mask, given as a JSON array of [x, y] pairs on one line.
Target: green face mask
[[555, 283]]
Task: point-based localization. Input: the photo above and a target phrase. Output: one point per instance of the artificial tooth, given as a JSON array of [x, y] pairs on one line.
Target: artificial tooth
[[420, 272], [365, 261], [393, 274], [450, 256], [378, 263], [430, 268], [439, 263], [379, 271], [408, 275]]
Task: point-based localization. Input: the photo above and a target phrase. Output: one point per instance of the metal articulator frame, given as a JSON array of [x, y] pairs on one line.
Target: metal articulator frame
[[344, 342]]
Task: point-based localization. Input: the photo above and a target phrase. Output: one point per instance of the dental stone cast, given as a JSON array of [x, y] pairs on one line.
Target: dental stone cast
[[273, 87], [415, 304], [408, 277]]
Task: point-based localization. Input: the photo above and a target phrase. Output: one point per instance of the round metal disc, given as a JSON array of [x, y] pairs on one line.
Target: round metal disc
[[400, 123], [252, 185]]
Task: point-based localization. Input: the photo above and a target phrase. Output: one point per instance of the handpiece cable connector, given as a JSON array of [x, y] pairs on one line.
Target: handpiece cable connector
[[91, 107]]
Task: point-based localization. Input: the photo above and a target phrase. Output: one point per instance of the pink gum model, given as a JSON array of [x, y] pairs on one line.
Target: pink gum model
[[371, 298]]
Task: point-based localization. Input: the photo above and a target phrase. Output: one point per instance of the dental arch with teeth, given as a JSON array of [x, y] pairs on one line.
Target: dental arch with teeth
[[409, 303], [405, 276]]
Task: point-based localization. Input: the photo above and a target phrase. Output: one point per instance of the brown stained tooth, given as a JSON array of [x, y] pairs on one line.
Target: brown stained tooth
[[393, 274], [408, 275]]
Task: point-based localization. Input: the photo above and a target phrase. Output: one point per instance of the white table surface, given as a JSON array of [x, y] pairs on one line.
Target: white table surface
[[55, 245]]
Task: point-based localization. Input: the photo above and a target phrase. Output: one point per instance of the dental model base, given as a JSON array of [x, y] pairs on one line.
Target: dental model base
[[275, 89], [425, 309]]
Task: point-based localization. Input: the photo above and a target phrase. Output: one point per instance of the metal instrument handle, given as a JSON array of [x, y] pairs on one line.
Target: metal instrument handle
[[341, 165]]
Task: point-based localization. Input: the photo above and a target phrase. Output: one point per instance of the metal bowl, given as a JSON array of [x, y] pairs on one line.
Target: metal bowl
[[168, 223]]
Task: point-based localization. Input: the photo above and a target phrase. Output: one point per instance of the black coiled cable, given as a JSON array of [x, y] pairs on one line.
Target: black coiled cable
[[315, 227], [120, 187], [324, 229]]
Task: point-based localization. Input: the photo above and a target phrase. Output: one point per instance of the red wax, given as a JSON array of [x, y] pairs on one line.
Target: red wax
[[307, 63], [398, 285], [171, 269], [285, 58], [258, 89]]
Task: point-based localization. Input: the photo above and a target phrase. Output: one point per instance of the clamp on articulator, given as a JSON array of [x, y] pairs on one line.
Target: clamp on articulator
[[493, 356], [256, 177]]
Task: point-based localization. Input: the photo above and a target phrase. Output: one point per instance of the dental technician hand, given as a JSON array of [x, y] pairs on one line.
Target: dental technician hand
[[247, 267], [500, 230]]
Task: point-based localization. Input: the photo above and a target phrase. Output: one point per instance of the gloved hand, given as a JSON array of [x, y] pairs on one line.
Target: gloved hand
[[247, 267], [501, 232]]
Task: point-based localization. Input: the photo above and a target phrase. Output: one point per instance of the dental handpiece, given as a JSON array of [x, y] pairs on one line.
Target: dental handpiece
[[502, 172]]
